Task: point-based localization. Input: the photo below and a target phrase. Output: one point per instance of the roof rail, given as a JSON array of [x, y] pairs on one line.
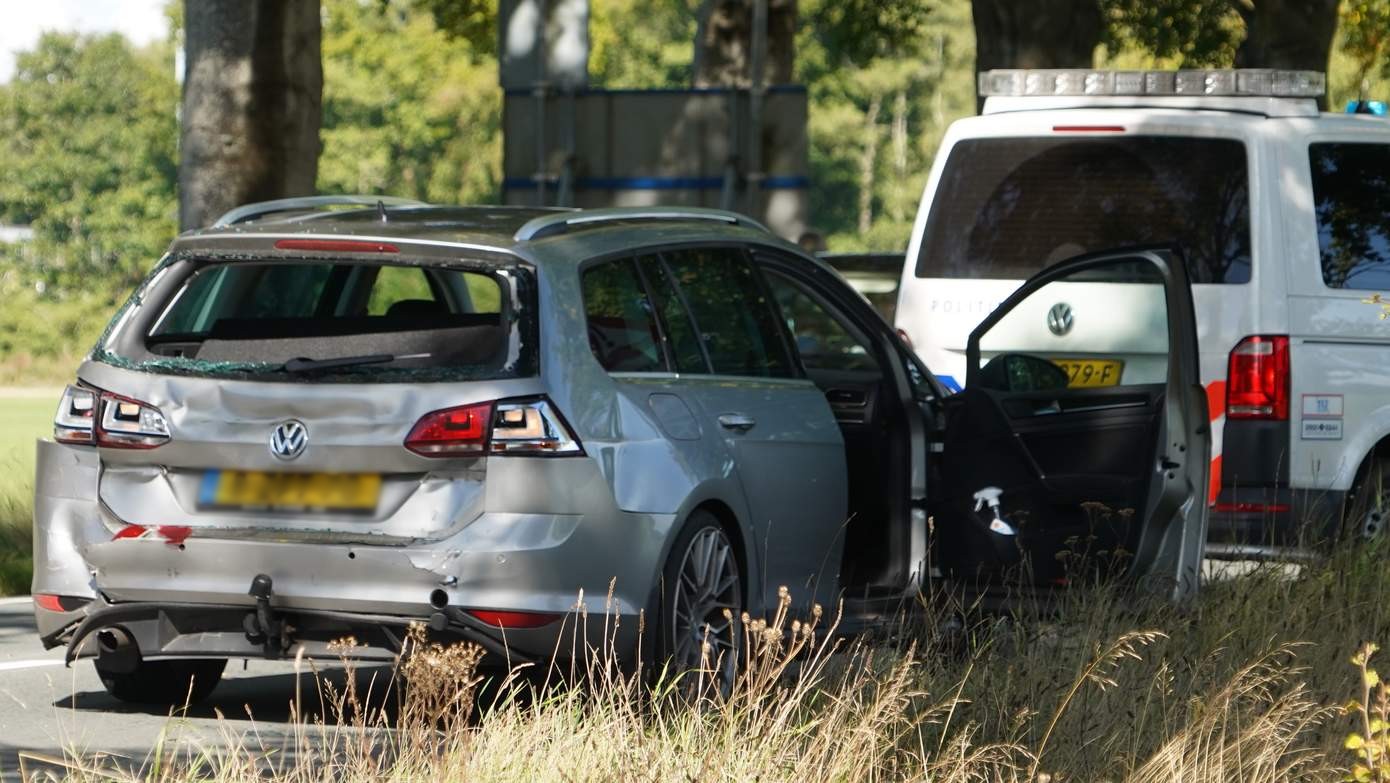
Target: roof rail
[[564, 222], [259, 209]]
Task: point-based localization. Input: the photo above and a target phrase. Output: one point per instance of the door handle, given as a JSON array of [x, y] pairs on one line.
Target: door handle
[[736, 422]]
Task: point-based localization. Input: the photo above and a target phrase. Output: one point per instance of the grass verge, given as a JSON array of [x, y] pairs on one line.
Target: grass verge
[[25, 414], [1249, 683]]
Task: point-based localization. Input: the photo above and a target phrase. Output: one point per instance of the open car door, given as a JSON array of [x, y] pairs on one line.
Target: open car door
[[1079, 448]]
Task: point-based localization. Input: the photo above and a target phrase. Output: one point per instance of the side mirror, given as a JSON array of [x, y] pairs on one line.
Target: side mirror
[[1021, 372]]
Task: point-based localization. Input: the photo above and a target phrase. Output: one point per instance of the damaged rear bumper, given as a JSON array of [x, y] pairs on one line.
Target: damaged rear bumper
[[131, 632]]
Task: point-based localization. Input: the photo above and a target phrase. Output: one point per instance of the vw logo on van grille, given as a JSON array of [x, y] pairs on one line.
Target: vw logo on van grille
[[1059, 318], [288, 439]]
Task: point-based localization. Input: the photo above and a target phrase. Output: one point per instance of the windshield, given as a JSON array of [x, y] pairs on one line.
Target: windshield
[[1006, 208], [284, 319]]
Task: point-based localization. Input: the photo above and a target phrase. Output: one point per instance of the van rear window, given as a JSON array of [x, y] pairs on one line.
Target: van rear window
[[1006, 208], [313, 320]]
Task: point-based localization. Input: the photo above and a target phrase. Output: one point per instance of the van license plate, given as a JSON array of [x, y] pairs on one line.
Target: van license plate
[[1084, 373], [313, 492]]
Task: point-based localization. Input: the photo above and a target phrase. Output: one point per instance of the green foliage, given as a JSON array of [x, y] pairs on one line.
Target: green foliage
[[88, 133], [1365, 36], [408, 110], [641, 44], [474, 21], [1180, 33]]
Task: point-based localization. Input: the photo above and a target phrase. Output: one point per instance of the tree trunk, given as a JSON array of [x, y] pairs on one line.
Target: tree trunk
[[1035, 33], [252, 104], [724, 45], [868, 160], [1293, 34]]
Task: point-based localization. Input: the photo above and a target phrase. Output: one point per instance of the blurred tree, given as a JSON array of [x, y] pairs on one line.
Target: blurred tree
[[88, 134], [252, 103], [474, 21], [1286, 33], [724, 42], [1365, 33], [408, 108], [1035, 33]]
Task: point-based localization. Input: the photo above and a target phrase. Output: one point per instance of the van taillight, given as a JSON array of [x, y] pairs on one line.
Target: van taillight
[[527, 427], [1257, 379]]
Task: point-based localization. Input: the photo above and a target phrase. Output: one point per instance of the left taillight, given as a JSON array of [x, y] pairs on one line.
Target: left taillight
[[76, 417], [519, 427], [89, 416]]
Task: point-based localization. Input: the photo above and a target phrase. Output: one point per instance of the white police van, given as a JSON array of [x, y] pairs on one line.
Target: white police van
[[1282, 213]]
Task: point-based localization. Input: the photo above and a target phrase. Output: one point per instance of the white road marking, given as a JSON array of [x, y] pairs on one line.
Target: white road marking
[[9, 666], [23, 599]]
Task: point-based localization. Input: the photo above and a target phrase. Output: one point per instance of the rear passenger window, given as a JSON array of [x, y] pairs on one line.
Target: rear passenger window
[[1351, 194], [621, 324], [682, 340], [737, 324]]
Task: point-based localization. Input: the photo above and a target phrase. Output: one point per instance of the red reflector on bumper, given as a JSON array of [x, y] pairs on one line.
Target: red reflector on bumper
[[514, 619], [50, 602], [1252, 508], [129, 531]]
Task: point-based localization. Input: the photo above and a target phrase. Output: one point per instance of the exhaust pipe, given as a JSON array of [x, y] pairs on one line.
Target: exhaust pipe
[[117, 651]]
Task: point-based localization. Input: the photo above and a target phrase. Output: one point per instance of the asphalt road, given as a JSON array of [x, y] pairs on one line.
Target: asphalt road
[[54, 711]]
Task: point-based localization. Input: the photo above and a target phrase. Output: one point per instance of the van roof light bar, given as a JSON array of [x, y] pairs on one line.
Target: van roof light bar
[[259, 209], [1249, 82], [564, 222]]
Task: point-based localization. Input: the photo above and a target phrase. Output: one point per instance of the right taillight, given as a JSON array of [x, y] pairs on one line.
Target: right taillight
[[1257, 379], [530, 427]]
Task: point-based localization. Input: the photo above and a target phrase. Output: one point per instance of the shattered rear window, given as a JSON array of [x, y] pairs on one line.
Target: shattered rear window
[[315, 320]]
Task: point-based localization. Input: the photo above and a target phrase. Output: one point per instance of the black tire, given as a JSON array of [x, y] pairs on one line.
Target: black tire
[[678, 605], [1368, 506], [165, 683]]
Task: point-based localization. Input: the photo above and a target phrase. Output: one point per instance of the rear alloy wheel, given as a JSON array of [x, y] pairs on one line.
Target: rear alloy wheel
[[166, 683], [703, 607], [1369, 510]]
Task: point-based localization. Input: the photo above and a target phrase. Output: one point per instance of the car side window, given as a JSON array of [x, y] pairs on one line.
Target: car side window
[[621, 323], [823, 339], [682, 341], [737, 324], [1351, 196]]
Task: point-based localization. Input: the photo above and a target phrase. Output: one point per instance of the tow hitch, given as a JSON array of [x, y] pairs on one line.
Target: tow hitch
[[263, 626]]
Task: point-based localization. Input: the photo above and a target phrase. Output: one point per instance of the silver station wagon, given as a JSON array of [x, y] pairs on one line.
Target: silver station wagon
[[313, 422]]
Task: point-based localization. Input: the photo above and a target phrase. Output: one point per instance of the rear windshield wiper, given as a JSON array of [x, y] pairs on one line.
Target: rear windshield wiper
[[303, 365]]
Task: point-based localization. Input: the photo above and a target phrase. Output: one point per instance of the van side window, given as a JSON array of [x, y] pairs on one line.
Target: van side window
[[1351, 195], [621, 323], [736, 322]]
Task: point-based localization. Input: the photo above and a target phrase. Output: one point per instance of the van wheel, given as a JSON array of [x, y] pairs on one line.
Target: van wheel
[[1368, 513], [166, 683], [701, 608]]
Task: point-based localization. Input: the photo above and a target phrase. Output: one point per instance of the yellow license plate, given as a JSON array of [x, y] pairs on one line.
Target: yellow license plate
[[311, 492], [1083, 373]]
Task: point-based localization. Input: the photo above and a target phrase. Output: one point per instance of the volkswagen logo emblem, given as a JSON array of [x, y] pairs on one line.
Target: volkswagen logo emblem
[[288, 439], [1059, 319]]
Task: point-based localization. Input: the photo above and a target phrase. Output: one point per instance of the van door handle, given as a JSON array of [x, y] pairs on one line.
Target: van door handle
[[736, 422]]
